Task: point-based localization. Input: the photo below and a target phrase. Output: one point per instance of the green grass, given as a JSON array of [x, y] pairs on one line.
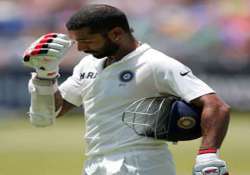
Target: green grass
[[58, 150]]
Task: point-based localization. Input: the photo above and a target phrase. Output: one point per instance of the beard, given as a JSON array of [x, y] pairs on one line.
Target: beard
[[109, 48]]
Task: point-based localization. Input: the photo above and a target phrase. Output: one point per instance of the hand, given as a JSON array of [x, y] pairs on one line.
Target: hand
[[208, 163], [46, 53]]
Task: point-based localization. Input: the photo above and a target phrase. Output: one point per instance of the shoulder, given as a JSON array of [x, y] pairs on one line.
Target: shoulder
[[86, 62], [160, 61], [155, 56]]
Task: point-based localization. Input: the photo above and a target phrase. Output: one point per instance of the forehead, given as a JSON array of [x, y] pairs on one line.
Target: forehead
[[83, 33]]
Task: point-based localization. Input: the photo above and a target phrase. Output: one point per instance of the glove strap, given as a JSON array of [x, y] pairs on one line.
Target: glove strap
[[50, 74], [208, 150], [207, 154], [42, 86]]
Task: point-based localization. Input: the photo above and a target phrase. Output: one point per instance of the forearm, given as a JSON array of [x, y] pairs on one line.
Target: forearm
[[45, 101], [214, 124], [58, 101], [45, 55], [62, 105]]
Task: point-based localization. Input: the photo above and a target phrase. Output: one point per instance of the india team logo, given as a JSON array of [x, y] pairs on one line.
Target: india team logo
[[126, 76], [186, 122]]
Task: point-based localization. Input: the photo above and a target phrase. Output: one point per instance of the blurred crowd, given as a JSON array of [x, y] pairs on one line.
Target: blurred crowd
[[210, 36]]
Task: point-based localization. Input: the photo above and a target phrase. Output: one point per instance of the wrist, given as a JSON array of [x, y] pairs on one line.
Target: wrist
[[207, 150], [42, 86], [47, 74], [206, 155]]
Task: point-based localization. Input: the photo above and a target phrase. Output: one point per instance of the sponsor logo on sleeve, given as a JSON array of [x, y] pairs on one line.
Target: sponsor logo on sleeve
[[184, 73], [88, 75]]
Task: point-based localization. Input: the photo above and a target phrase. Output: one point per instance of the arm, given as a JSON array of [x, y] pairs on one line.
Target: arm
[[46, 101], [214, 120], [60, 102], [45, 55], [214, 124]]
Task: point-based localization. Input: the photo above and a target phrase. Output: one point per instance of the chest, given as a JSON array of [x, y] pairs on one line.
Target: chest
[[118, 84]]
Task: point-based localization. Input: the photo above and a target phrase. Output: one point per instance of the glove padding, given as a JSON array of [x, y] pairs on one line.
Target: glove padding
[[46, 53], [209, 164]]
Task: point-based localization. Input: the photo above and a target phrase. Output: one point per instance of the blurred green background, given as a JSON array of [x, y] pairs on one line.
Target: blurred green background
[[59, 150]]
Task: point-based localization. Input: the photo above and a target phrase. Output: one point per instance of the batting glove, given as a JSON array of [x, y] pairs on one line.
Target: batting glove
[[46, 53], [208, 163]]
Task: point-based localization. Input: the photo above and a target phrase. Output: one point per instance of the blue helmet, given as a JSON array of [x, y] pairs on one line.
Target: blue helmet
[[167, 118]]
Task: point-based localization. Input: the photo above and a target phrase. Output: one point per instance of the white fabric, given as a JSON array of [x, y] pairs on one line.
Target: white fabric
[[105, 93], [42, 108], [155, 160], [206, 157]]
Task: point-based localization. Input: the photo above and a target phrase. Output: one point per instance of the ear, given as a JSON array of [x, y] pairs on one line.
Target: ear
[[115, 34]]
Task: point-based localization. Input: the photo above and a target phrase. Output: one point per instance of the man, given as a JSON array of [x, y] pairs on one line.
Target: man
[[118, 71]]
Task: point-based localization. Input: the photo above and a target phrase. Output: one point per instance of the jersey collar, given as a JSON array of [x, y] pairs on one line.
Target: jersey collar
[[139, 50]]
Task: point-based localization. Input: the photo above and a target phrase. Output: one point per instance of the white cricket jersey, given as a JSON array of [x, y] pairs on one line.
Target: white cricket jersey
[[105, 94]]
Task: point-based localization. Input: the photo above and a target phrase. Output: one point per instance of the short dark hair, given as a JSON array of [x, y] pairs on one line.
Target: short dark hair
[[99, 18]]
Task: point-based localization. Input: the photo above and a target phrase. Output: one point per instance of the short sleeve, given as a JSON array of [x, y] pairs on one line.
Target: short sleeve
[[174, 78], [71, 88]]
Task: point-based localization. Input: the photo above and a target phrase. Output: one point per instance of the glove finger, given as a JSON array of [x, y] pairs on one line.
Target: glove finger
[[65, 43], [51, 54], [49, 38], [46, 52], [214, 169], [27, 63], [55, 46], [57, 35], [33, 61], [63, 36]]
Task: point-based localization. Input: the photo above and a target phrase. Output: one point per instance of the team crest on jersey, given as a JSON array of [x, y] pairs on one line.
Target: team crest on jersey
[[126, 76]]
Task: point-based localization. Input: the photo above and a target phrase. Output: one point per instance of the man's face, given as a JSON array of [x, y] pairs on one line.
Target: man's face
[[99, 45]]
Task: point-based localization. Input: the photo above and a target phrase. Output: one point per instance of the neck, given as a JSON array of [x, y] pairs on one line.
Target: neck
[[125, 48]]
